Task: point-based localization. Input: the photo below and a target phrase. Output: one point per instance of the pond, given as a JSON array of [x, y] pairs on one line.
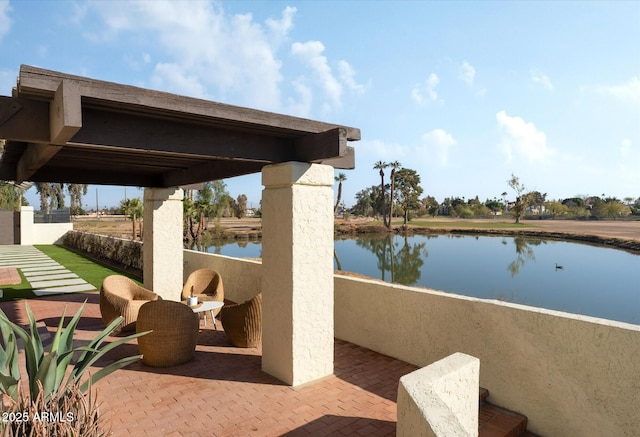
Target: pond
[[566, 276]]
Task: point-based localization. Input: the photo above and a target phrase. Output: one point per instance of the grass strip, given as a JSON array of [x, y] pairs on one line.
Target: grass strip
[[89, 270]]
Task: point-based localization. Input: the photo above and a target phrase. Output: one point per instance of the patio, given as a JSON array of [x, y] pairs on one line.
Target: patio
[[224, 392]]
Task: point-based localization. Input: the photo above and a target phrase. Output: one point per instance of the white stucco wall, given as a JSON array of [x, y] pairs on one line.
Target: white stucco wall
[[50, 233], [569, 374], [40, 233], [440, 399], [242, 279]]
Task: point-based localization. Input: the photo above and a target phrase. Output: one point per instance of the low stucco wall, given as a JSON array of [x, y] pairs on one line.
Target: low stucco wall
[[241, 278], [570, 375], [49, 233], [40, 233], [440, 400]]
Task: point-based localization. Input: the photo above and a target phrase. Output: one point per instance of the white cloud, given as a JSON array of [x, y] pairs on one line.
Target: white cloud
[[627, 91], [427, 90], [5, 21], [280, 28], [522, 138], [171, 76], [438, 142], [311, 54], [542, 79], [347, 74], [467, 73], [301, 106], [204, 52]]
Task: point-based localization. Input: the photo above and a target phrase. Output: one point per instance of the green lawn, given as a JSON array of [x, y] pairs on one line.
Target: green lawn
[[87, 269]]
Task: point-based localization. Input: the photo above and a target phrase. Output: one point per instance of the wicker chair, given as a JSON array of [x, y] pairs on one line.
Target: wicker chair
[[207, 285], [174, 333], [243, 322], [120, 296]]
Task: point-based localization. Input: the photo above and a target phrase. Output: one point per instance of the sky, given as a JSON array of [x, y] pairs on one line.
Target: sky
[[465, 93]]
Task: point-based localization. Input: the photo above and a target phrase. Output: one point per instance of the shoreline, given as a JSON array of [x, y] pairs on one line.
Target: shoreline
[[623, 235]]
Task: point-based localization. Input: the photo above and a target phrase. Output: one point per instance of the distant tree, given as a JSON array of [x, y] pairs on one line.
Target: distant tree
[[9, 196], [538, 199], [494, 206], [364, 202], [395, 166], [51, 196], [480, 210], [504, 199], [189, 215], [339, 179], [556, 208], [431, 205], [76, 191], [609, 208], [409, 190], [573, 201], [522, 199], [241, 206], [133, 209], [220, 198], [380, 165]]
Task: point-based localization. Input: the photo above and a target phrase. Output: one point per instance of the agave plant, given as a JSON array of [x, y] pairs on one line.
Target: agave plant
[[46, 370], [70, 414]]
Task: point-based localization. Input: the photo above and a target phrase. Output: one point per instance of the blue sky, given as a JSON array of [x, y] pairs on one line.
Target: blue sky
[[466, 93]]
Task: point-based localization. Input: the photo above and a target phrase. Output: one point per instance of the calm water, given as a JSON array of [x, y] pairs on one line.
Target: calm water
[[593, 280]]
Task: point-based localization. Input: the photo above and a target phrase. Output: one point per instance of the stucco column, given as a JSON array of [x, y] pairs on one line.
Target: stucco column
[[162, 249], [297, 262]]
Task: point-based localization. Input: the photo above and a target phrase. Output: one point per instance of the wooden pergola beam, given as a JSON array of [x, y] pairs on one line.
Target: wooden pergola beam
[[33, 158], [64, 128], [65, 112]]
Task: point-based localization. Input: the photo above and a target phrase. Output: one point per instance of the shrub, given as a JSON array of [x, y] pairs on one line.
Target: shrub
[[46, 371]]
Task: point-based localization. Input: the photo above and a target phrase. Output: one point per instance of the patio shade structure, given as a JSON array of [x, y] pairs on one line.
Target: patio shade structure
[[72, 129]]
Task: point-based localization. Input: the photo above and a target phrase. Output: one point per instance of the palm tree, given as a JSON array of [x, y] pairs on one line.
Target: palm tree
[[380, 165], [395, 165], [339, 179], [133, 209]]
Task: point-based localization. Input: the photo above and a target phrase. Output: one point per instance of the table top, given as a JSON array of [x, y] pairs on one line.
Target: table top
[[207, 305]]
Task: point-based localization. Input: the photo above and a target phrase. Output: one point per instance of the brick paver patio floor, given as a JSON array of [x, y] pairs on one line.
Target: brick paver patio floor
[[224, 392]]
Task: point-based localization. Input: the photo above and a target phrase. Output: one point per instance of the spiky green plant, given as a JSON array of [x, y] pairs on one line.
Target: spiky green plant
[[69, 414], [46, 370]]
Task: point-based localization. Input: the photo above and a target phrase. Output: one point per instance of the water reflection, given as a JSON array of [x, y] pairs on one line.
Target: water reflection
[[397, 256], [524, 253], [517, 269]]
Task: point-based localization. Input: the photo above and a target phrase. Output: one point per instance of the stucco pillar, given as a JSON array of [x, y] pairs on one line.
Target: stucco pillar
[[297, 261], [162, 249]]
